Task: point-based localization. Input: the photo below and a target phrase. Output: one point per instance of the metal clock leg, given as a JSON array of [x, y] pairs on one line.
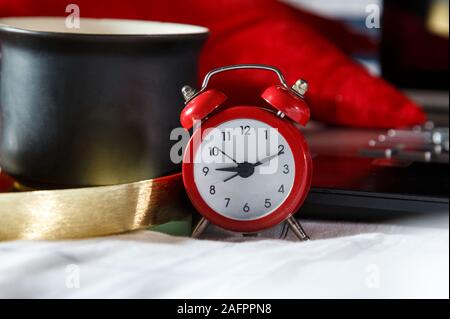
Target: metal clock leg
[[297, 229], [200, 228]]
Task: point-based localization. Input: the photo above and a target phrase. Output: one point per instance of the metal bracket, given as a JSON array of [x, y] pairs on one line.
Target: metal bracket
[[299, 87], [294, 225]]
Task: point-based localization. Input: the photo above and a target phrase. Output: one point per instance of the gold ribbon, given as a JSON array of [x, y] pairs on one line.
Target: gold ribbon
[[92, 211]]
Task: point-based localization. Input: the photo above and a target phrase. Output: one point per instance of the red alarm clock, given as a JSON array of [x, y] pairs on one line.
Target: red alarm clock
[[247, 168]]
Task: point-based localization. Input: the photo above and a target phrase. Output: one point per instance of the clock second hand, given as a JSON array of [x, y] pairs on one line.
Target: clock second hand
[[227, 155]]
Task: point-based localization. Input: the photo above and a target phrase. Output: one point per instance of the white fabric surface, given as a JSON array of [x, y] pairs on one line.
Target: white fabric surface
[[360, 261]]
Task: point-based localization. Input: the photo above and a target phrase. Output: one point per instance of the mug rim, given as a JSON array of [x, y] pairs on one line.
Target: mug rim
[[190, 29]]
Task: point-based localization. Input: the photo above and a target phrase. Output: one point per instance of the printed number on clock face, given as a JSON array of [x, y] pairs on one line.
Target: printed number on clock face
[[244, 169]]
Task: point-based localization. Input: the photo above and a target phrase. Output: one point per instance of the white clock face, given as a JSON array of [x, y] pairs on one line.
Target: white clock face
[[244, 169]]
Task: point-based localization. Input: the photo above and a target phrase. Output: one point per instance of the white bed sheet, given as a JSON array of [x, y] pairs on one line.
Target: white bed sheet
[[351, 261]]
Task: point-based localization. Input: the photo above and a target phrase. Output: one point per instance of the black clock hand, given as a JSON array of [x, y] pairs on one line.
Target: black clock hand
[[227, 155], [233, 176], [246, 169], [228, 169]]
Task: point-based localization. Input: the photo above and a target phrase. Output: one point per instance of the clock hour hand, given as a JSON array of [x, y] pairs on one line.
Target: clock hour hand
[[228, 169], [233, 169], [243, 170]]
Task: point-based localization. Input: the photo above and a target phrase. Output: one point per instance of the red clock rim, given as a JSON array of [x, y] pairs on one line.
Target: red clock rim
[[302, 179]]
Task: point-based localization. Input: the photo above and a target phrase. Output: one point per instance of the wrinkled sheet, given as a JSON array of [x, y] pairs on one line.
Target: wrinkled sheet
[[345, 260]]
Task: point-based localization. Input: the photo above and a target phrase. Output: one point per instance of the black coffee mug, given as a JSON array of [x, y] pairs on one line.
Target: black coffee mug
[[94, 105]]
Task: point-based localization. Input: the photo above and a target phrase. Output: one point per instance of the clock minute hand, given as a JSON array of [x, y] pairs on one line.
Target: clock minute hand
[[231, 177], [267, 159]]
